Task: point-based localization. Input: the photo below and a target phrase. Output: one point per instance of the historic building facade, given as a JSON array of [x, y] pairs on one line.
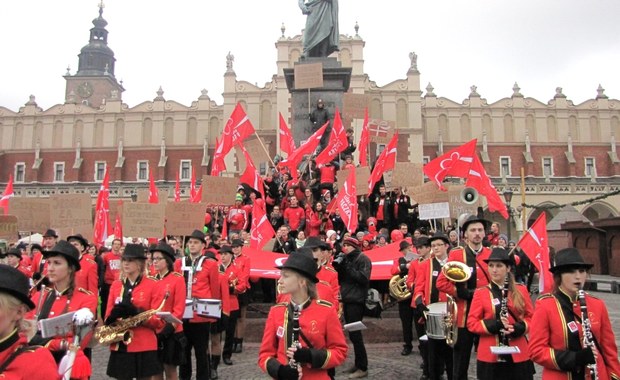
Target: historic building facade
[[568, 152]]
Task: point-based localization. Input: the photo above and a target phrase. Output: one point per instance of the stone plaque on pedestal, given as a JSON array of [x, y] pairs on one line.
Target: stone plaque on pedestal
[[336, 80]]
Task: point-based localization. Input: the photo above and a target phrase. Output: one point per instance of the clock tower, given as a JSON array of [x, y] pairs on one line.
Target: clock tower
[[94, 82]]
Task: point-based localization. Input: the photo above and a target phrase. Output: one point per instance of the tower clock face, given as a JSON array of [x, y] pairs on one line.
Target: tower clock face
[[85, 89]]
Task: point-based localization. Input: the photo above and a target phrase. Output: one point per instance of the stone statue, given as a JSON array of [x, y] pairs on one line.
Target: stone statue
[[321, 36], [414, 60], [229, 62]]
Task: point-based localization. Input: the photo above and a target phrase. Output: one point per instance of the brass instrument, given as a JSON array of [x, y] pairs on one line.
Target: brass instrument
[[34, 286], [398, 288], [450, 322], [120, 331], [588, 337], [456, 271]]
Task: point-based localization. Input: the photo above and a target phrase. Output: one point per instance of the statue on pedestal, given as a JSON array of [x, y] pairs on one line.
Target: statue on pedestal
[[321, 36]]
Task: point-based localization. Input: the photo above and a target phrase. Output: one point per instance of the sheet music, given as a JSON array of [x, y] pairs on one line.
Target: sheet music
[[57, 326]]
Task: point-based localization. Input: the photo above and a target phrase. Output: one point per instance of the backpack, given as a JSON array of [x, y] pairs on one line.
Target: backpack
[[373, 306]]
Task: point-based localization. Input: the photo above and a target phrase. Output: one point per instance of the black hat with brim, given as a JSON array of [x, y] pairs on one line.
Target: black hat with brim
[[225, 249], [237, 243], [50, 233], [198, 235], [302, 262], [568, 259], [15, 283], [163, 248], [500, 254], [134, 252], [79, 238], [315, 242], [475, 219], [15, 252], [67, 250], [439, 236]]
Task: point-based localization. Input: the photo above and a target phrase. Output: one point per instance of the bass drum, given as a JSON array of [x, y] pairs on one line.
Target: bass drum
[[435, 320]]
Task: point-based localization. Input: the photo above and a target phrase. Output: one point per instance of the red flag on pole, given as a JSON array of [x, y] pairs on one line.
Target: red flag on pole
[[237, 128], [308, 147], [364, 141], [177, 190], [197, 197], [8, 193], [251, 176], [287, 144], [102, 211], [337, 142], [118, 226], [536, 246], [479, 180], [153, 192], [346, 201], [385, 162], [455, 163], [192, 185], [261, 230]]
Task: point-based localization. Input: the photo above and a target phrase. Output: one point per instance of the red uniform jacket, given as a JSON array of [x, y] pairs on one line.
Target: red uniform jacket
[[479, 277], [26, 270], [235, 284], [412, 275], [328, 276], [324, 293], [556, 333], [112, 267], [483, 317], [87, 277], [205, 281], [225, 293], [242, 262], [425, 283], [319, 324], [31, 364], [38, 264], [173, 285], [146, 295]]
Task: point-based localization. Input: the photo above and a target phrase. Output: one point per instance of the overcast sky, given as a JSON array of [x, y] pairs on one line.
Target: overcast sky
[[182, 45]]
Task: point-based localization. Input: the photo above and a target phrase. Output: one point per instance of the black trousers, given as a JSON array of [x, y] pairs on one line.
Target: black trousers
[[104, 293], [354, 312], [405, 312], [439, 359], [230, 334], [420, 329], [197, 335], [505, 371], [462, 353]]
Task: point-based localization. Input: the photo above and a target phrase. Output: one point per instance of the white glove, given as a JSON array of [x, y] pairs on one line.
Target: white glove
[[83, 317]]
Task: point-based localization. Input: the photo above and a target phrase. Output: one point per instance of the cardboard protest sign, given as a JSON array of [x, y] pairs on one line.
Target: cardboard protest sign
[[8, 227], [71, 214], [407, 174], [457, 205], [145, 220], [434, 210], [219, 190], [143, 195], [354, 105], [381, 131], [362, 175], [308, 75], [33, 214], [427, 193], [182, 218]]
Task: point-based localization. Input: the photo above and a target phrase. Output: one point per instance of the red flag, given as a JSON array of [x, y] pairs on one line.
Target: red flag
[[479, 180], [153, 192], [536, 246], [385, 162], [218, 165], [364, 141], [346, 201], [8, 193], [456, 163], [177, 190], [287, 144], [237, 128], [308, 147], [251, 176], [261, 230], [192, 185], [337, 142], [197, 197], [102, 212], [118, 226]]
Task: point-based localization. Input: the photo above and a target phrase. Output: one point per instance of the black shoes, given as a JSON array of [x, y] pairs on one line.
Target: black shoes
[[227, 360], [406, 351]]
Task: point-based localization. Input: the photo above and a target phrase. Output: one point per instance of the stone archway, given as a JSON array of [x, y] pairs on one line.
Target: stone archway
[[599, 210], [535, 213]]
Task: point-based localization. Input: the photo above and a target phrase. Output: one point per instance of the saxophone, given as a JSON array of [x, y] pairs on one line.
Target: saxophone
[[588, 337], [120, 331], [295, 343]]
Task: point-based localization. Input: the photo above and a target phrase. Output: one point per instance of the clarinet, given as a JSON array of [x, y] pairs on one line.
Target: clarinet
[[295, 343], [503, 311], [588, 337]]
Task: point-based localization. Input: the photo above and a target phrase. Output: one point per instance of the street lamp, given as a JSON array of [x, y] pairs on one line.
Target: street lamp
[[508, 198]]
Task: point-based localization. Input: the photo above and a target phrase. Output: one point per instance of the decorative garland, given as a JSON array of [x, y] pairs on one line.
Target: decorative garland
[[585, 201]]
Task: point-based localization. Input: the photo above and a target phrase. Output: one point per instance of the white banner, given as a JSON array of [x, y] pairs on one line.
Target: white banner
[[434, 210]]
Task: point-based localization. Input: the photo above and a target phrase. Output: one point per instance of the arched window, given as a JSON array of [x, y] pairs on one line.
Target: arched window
[[18, 135], [552, 129], [573, 128], [487, 126], [509, 130], [595, 129], [465, 128], [345, 58], [56, 135], [147, 132], [402, 114], [265, 115], [98, 134], [442, 126], [530, 127], [78, 132], [169, 131], [376, 111], [119, 131], [214, 129], [37, 136], [192, 126]]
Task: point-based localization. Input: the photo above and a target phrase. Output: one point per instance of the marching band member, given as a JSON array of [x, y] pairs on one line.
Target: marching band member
[[87, 277], [130, 295], [237, 284], [302, 338], [39, 266], [501, 314], [202, 281], [559, 331], [170, 337], [327, 275], [473, 254], [63, 296], [405, 311], [14, 259], [17, 359], [423, 249], [426, 293], [243, 263], [219, 326]]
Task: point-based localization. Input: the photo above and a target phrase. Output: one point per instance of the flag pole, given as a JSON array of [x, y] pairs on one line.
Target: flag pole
[[523, 213], [264, 148]]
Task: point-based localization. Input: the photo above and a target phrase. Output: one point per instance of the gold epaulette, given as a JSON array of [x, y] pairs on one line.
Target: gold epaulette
[[85, 291], [152, 278], [544, 296], [281, 304], [329, 268], [324, 303], [177, 274]]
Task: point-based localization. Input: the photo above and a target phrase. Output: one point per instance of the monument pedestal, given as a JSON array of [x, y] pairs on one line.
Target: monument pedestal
[[336, 81]]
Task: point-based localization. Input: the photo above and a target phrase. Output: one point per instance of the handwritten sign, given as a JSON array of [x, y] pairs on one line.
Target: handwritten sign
[[33, 214], [406, 174], [434, 210], [457, 205], [8, 227], [380, 131], [427, 193], [354, 105], [182, 218], [362, 176], [308, 75], [219, 190], [144, 220], [71, 214], [255, 151]]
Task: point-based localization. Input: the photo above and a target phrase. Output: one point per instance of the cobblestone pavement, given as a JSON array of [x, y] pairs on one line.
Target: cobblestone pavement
[[385, 361]]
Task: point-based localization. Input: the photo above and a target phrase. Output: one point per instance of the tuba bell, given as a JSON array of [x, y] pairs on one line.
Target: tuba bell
[[398, 288]]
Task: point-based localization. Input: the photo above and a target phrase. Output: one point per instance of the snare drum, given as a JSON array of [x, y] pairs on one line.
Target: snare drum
[[189, 309], [208, 307], [435, 322]]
